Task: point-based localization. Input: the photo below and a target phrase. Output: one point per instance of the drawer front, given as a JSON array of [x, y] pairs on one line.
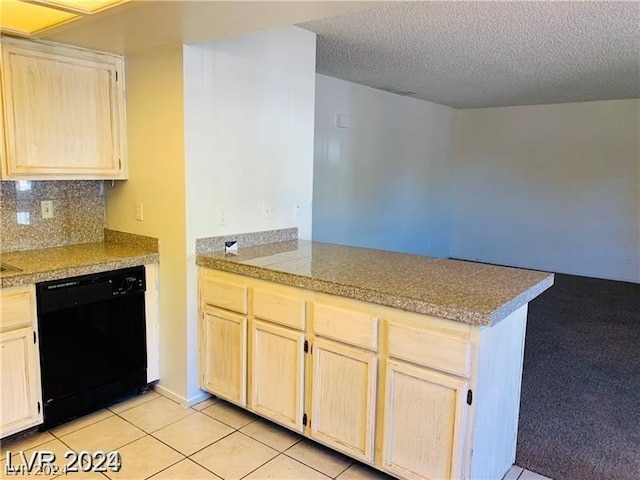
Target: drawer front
[[223, 294], [278, 308], [348, 326], [16, 308], [430, 349]]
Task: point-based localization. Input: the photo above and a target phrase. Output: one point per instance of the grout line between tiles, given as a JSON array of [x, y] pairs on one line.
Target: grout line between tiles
[[259, 466], [270, 446], [231, 433], [8, 447], [171, 423], [346, 468], [87, 426], [203, 448], [164, 443], [166, 468], [149, 435], [266, 444], [202, 466], [175, 463], [309, 466], [78, 418], [135, 406], [231, 426], [251, 438], [117, 448]]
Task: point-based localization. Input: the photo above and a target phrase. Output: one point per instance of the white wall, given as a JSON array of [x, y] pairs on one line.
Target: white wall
[[225, 124], [551, 187], [249, 111], [383, 182], [155, 137], [249, 106]]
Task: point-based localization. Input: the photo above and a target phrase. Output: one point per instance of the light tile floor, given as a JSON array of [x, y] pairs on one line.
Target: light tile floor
[[161, 440]]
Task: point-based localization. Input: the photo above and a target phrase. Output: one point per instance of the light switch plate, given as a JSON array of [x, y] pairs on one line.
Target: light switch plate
[[139, 211]]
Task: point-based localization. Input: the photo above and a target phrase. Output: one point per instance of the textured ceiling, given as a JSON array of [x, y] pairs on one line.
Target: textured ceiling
[[481, 54]]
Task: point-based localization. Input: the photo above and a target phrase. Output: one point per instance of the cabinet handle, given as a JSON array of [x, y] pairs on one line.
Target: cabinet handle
[[304, 419], [35, 340], [469, 397], [39, 407], [306, 346]]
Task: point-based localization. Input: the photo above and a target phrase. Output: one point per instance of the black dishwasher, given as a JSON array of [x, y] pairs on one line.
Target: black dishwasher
[[92, 342]]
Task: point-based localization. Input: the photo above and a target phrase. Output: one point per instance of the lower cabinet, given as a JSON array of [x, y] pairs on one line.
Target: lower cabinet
[[391, 388], [424, 422], [20, 392], [20, 405], [343, 398], [224, 359], [277, 372]]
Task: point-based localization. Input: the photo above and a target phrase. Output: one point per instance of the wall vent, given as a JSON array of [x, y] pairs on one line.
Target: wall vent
[[405, 93]]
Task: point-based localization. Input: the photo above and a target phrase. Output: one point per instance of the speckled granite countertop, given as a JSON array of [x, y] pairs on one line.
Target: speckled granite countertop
[[61, 262], [473, 293]]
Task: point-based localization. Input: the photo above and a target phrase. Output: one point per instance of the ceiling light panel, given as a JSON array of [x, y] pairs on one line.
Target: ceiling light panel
[[26, 19], [80, 6]]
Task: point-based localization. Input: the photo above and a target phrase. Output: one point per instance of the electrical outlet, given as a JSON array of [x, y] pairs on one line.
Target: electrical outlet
[[139, 211], [268, 211], [47, 208], [223, 216]]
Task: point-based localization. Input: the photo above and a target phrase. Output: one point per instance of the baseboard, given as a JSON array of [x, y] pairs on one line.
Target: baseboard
[[614, 278], [200, 397], [170, 394], [185, 402]]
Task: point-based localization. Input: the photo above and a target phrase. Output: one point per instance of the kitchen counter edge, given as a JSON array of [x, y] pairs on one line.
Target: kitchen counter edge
[[416, 305], [129, 257]]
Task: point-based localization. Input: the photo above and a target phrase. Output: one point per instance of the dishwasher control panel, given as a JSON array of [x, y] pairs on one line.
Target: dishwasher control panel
[[127, 284], [75, 291]]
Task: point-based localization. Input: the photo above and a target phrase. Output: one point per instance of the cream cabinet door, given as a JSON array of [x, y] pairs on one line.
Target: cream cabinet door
[[424, 421], [277, 373], [343, 396], [64, 112], [224, 354], [19, 381]]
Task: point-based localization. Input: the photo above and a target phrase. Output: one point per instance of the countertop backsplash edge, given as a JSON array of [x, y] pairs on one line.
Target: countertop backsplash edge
[[251, 239]]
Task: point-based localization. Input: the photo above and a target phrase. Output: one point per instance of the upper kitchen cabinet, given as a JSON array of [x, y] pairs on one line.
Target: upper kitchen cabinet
[[64, 113]]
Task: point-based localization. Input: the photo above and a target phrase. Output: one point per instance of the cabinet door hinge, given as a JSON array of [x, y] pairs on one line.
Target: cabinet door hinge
[[35, 339], [469, 397], [119, 164], [306, 347], [116, 75], [304, 419]]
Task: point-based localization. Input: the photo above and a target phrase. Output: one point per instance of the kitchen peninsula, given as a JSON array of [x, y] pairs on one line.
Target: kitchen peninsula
[[411, 364]]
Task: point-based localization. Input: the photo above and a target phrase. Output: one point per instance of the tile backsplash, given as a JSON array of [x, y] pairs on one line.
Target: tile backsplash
[[78, 214]]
